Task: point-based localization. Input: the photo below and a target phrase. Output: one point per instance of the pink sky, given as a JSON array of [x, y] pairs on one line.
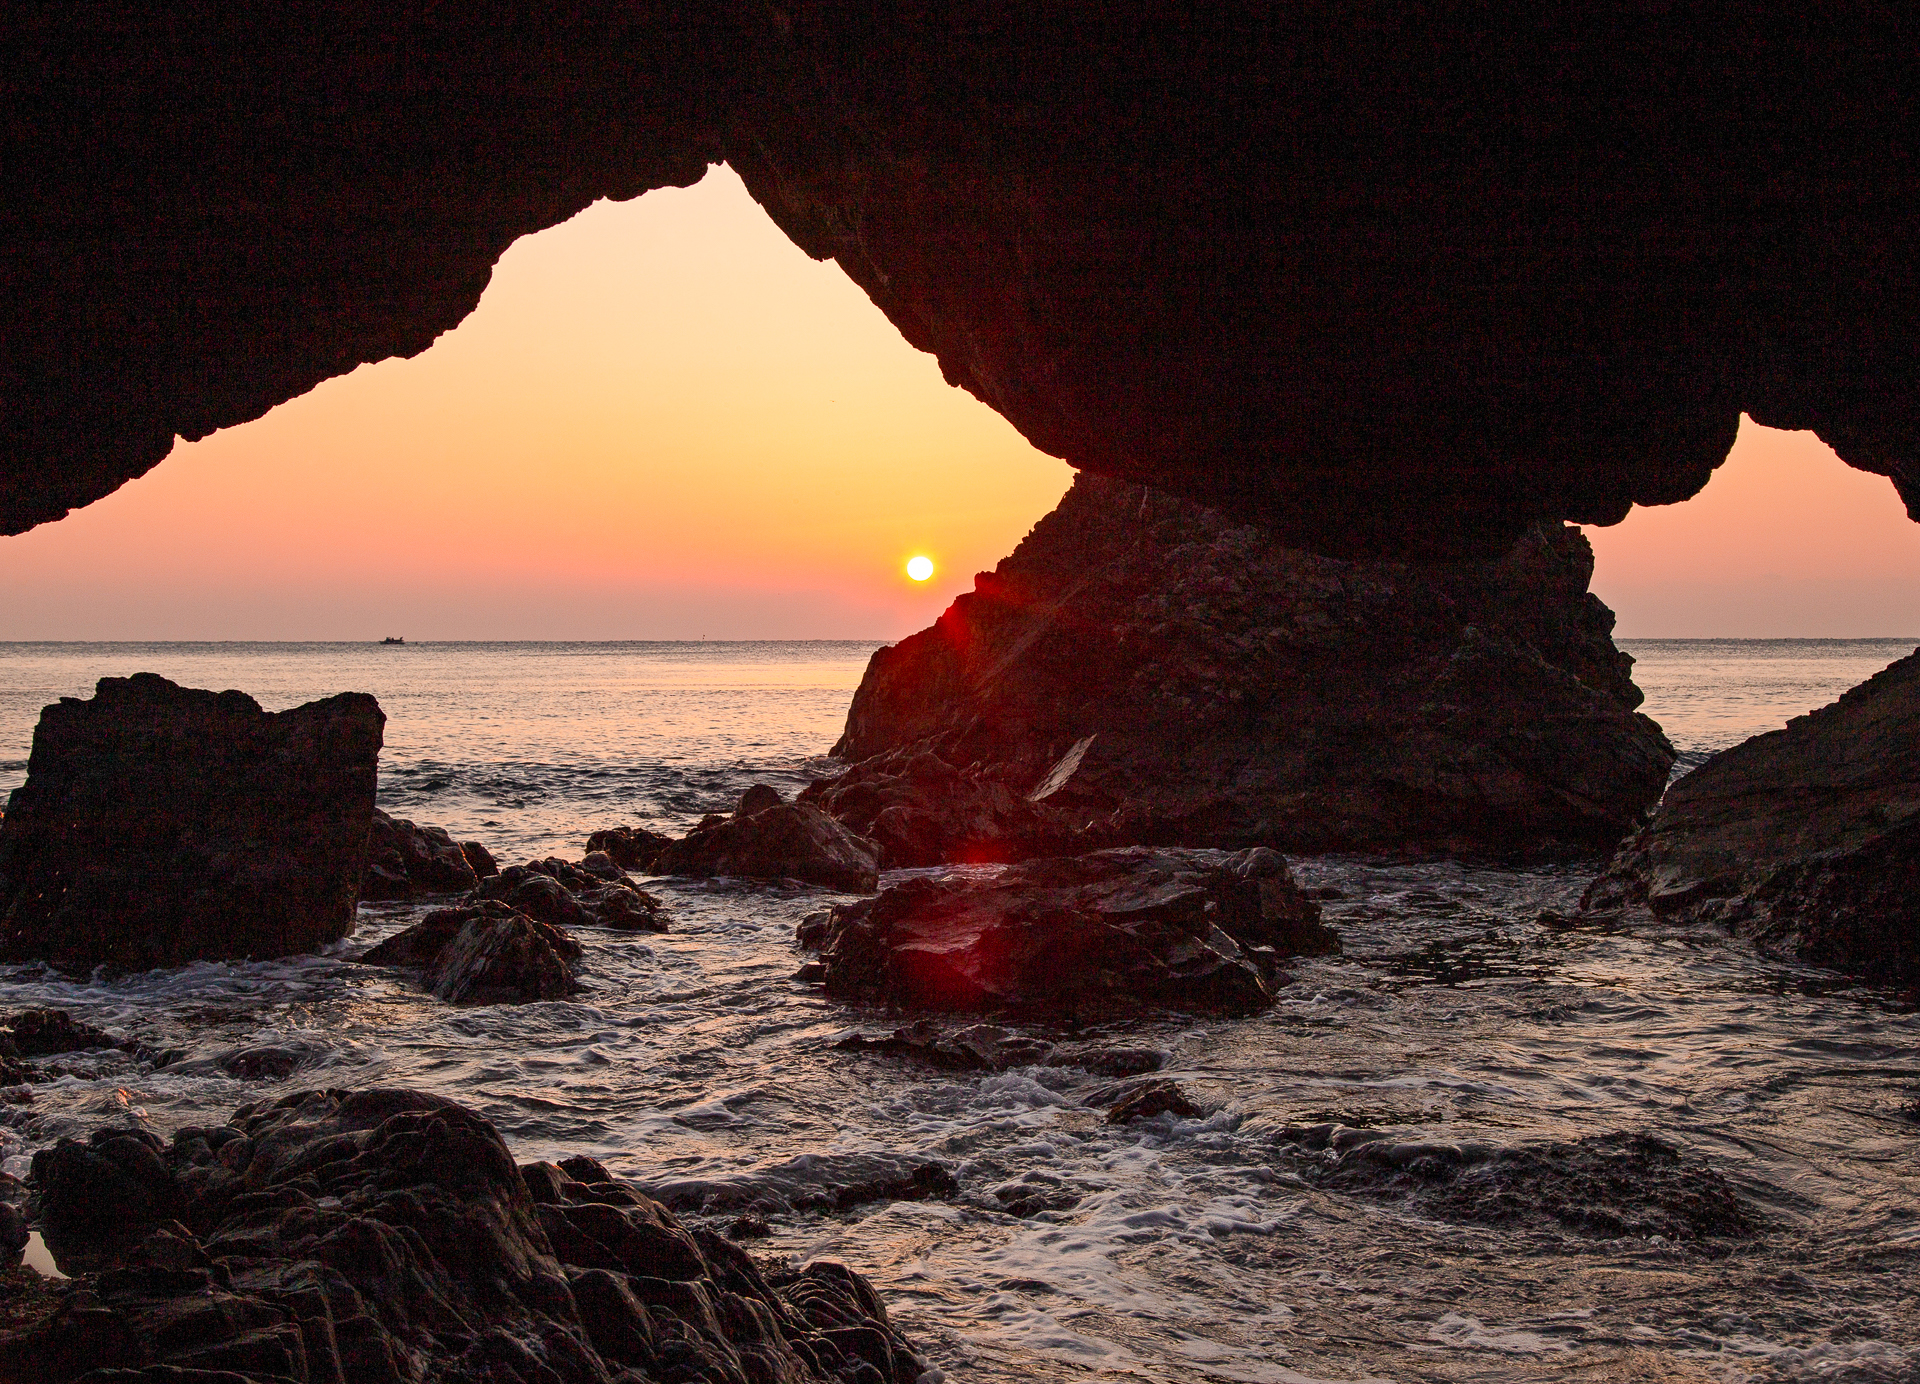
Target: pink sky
[[664, 421]]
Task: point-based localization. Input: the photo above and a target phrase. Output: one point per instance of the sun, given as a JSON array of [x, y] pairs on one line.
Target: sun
[[920, 568]]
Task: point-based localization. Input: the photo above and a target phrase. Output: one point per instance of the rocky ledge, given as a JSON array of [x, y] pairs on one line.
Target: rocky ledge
[[1076, 937], [1807, 838], [387, 1237], [160, 825], [1145, 670]]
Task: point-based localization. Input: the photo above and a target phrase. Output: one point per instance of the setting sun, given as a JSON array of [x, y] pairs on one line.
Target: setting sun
[[920, 568]]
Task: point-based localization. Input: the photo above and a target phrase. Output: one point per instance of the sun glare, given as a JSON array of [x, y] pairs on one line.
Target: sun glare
[[920, 568]]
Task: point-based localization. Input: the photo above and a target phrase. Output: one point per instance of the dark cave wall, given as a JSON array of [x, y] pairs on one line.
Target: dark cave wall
[[1390, 282]]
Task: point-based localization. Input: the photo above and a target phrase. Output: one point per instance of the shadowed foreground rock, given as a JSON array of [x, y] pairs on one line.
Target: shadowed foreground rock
[[1806, 839], [1085, 935], [386, 1237], [160, 825], [767, 838], [484, 953], [1151, 671], [405, 860]]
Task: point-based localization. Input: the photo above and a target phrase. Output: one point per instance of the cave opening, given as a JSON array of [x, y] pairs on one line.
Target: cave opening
[[663, 421]]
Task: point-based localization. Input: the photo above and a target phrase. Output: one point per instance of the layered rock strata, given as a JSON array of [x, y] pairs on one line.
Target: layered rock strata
[[1806, 838], [385, 1237], [1161, 673], [1113, 931], [1400, 278], [160, 825]]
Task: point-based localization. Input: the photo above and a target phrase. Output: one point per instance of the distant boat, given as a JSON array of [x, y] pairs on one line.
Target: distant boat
[[391, 640]]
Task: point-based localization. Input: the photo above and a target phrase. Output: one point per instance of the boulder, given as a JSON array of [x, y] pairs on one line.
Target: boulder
[[160, 825], [920, 809], [594, 893], [631, 848], [405, 860], [1806, 839], [1143, 670], [49, 1032], [1111, 931], [484, 952], [384, 1236], [769, 838]]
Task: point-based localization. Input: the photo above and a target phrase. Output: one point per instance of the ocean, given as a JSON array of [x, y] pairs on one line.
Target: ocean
[[1180, 1249]]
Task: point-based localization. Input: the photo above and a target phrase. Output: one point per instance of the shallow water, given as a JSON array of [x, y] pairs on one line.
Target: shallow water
[[1196, 1249]]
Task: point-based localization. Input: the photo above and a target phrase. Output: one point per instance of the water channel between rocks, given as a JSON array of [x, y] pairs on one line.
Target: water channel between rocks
[[1236, 1246]]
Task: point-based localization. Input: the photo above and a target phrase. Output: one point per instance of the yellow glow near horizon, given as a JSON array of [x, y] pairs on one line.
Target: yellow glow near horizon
[[920, 568], [663, 421]]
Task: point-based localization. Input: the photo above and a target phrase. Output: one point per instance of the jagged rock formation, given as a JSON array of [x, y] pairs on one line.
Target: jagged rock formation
[[1807, 838], [1077, 936], [1392, 279], [1196, 683], [385, 1237], [484, 953], [405, 860], [769, 838], [160, 825]]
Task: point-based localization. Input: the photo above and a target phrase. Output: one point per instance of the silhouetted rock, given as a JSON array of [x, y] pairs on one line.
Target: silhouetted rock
[[631, 848], [479, 860], [1143, 670], [594, 893], [1409, 278], [48, 1032], [484, 952], [1606, 1185], [767, 838], [919, 809], [386, 1236], [536, 893], [405, 860], [1807, 838], [160, 825], [1114, 930]]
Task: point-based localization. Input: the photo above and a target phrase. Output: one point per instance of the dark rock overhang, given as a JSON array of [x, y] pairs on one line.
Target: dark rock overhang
[[1392, 280]]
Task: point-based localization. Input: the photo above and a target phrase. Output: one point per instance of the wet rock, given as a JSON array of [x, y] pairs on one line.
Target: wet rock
[[479, 859], [563, 894], [631, 848], [160, 825], [484, 953], [767, 838], [1147, 1100], [405, 861], [1033, 1193], [1110, 1062], [975, 1048], [919, 809], [386, 1236], [1112, 930], [1605, 1186], [1142, 670], [812, 1182], [49, 1032], [1806, 839]]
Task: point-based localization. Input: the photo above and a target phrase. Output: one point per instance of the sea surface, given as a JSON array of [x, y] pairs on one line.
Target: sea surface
[[1182, 1249]]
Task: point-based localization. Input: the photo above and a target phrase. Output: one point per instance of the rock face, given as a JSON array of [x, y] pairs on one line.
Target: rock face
[[1177, 677], [160, 825], [385, 1237], [404, 861], [767, 838], [1077, 936], [1807, 838], [1399, 280]]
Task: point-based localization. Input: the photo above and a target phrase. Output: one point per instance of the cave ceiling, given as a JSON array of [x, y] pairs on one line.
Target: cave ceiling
[[1392, 279]]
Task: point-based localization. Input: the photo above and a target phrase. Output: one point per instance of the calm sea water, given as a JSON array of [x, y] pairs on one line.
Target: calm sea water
[[1199, 1249]]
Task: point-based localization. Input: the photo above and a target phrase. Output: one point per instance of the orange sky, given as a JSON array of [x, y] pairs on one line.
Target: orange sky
[[665, 421]]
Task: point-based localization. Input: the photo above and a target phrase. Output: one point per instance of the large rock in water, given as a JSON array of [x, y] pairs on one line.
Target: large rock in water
[[1078, 936], [1806, 838], [768, 838], [1239, 692], [405, 860], [386, 1237], [160, 825]]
